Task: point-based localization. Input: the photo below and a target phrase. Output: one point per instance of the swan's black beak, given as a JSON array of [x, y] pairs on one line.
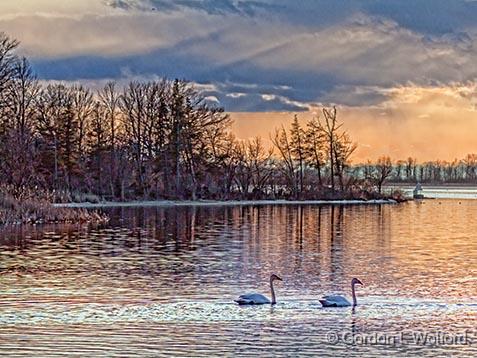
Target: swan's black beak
[[279, 278]]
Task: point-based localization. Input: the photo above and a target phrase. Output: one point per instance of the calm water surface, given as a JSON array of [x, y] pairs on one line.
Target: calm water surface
[[161, 281]]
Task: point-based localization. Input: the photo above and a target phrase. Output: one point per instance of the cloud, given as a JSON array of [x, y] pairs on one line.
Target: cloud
[[427, 123], [211, 7], [57, 8], [53, 37], [436, 17], [255, 55], [403, 74]]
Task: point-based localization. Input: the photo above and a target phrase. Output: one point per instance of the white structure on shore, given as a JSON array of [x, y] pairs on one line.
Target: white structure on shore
[[417, 193]]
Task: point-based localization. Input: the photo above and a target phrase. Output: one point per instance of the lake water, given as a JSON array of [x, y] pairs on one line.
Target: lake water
[[161, 282]]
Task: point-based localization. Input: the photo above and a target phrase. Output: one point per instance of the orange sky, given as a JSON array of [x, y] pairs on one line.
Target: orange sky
[[373, 63], [425, 123]]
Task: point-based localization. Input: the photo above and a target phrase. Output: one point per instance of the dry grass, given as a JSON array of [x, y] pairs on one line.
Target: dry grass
[[27, 206]]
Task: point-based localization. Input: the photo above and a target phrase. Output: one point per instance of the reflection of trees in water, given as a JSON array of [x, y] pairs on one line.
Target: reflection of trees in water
[[257, 239], [298, 236], [336, 243], [22, 237], [299, 219], [384, 230]]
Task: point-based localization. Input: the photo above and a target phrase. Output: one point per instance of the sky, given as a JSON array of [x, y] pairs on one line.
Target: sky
[[402, 73]]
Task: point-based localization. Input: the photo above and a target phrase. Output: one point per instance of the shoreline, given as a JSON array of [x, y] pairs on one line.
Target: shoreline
[[185, 203], [432, 185]]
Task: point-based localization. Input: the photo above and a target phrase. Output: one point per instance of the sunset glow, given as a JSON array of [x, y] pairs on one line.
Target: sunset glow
[[426, 123], [403, 80]]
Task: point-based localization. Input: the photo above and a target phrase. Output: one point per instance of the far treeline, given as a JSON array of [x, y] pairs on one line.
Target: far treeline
[[463, 171], [161, 140]]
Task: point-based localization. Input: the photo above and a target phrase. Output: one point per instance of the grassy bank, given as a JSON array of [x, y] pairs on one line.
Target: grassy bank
[[26, 206], [337, 198]]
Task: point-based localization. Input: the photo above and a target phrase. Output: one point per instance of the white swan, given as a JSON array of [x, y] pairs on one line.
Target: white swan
[[258, 299], [340, 301]]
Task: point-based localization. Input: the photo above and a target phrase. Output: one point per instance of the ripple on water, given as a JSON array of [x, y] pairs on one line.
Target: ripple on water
[[161, 281]]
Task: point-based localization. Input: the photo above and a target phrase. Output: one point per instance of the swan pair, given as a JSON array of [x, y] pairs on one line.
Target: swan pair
[[327, 301]]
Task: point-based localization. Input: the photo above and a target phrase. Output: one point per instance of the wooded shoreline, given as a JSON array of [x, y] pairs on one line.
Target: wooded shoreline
[[162, 140]]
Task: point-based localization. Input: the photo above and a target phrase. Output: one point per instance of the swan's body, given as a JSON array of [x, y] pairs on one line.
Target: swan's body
[[341, 301], [252, 299], [335, 301], [258, 299]]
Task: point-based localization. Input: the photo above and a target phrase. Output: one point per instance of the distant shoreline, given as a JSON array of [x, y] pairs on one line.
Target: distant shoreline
[[431, 185], [176, 203]]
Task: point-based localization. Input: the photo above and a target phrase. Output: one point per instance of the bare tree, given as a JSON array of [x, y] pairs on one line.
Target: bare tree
[[331, 128], [287, 164], [343, 149], [83, 107], [59, 130], [315, 147], [197, 118], [223, 159], [298, 150], [97, 135], [8, 60], [384, 169], [254, 166], [18, 99], [109, 100], [133, 107]]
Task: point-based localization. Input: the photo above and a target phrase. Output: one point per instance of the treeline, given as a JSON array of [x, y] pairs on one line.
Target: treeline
[[158, 140], [463, 171], [148, 140]]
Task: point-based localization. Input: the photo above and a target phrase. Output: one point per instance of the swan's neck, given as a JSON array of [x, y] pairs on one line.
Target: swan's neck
[[273, 292], [353, 292]]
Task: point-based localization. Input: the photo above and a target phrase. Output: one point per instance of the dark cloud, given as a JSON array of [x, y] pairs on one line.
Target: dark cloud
[[252, 81], [211, 7], [436, 17], [266, 55]]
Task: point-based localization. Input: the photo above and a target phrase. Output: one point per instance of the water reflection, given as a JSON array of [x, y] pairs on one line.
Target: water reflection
[[173, 273]]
